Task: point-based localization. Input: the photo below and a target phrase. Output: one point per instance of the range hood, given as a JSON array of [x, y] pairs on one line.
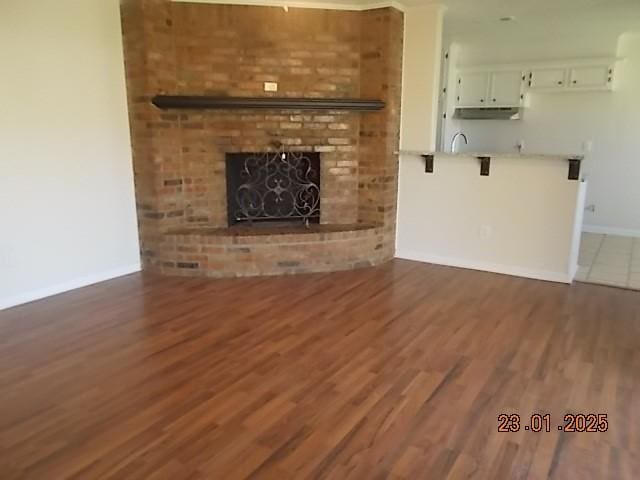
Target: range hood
[[498, 113]]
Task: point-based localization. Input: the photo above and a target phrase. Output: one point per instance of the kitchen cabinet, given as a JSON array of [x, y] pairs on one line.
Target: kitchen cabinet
[[487, 88], [590, 76], [547, 78], [505, 88], [583, 76], [473, 89]]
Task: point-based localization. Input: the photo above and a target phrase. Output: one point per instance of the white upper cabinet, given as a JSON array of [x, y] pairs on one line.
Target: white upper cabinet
[[547, 78], [500, 88], [506, 85], [580, 75], [505, 88], [472, 89], [595, 76]]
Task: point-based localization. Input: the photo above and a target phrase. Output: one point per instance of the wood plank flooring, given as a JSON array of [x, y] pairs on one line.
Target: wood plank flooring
[[395, 372]]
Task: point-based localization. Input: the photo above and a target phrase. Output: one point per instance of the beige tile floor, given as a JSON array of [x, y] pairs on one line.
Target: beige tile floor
[[609, 260]]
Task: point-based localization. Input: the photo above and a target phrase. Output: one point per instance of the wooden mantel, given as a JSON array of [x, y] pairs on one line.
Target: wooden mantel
[[208, 102]]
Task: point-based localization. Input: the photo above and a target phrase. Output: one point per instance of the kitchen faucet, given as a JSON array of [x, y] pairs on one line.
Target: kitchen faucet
[[455, 137]]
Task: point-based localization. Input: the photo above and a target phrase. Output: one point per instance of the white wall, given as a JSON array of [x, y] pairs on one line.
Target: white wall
[[67, 201], [520, 220], [421, 74], [559, 123]]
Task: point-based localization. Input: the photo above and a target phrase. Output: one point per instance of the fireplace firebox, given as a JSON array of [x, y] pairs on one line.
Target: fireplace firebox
[[273, 187]]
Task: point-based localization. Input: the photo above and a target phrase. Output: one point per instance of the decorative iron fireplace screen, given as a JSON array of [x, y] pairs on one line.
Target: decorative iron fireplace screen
[[282, 186]]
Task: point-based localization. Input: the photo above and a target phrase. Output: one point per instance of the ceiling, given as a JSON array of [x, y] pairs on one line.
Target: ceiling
[[327, 4], [531, 16]]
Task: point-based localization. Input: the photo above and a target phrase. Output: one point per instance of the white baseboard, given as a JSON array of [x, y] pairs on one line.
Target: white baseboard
[[574, 272], [513, 270], [622, 232], [84, 281]]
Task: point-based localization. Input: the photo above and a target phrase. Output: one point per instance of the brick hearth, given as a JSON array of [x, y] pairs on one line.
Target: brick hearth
[[179, 155]]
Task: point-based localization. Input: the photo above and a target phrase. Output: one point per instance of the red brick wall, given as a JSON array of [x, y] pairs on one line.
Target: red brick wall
[[381, 71], [179, 155], [199, 253]]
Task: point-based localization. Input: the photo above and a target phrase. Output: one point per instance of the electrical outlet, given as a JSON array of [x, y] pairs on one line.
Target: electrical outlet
[[587, 146], [270, 87], [591, 208]]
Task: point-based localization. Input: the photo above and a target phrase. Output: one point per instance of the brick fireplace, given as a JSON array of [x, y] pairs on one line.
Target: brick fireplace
[[181, 155], [273, 188]]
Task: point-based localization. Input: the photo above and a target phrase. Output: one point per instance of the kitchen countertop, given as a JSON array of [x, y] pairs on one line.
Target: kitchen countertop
[[563, 156]]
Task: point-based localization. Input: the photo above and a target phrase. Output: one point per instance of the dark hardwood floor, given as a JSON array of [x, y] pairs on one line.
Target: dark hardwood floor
[[393, 372]]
